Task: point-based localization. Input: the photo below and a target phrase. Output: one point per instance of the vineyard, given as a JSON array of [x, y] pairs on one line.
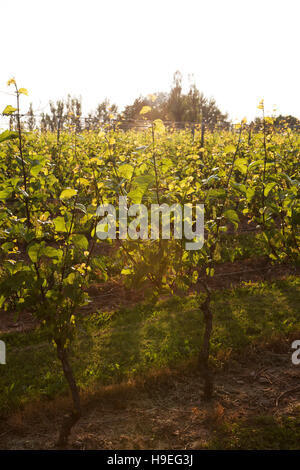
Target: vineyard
[[91, 322]]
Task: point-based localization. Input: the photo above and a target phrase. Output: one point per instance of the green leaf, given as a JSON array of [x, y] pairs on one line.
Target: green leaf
[[9, 110], [2, 300], [80, 241], [34, 171], [127, 271], [141, 184], [268, 188], [159, 126], [232, 216], [51, 252], [145, 109], [5, 193], [68, 193], [126, 171], [250, 193], [256, 164], [215, 193], [7, 246], [229, 148], [23, 91], [143, 181], [8, 135], [34, 251], [210, 272], [70, 279], [240, 187], [83, 181], [166, 164], [136, 195], [241, 165], [60, 225]]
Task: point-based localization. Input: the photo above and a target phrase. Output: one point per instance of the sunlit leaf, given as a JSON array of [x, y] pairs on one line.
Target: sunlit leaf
[[9, 110], [145, 109], [68, 193]]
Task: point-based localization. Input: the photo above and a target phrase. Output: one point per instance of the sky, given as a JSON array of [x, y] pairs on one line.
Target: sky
[[238, 51]]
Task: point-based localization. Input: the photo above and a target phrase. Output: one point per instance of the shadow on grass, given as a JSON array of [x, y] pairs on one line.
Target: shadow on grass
[[138, 339], [259, 433], [113, 347], [256, 311]]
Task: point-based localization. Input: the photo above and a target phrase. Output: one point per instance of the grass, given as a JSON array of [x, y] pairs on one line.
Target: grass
[[259, 433], [116, 346]]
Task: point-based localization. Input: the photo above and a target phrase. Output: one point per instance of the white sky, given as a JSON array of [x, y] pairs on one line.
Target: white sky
[[238, 51]]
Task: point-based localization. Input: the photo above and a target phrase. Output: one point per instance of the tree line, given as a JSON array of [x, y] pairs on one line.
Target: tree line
[[174, 106]]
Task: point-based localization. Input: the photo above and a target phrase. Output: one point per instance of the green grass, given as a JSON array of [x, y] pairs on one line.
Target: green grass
[[113, 347], [259, 433]]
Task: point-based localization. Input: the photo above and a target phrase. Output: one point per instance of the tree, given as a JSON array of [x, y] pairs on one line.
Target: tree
[[199, 108], [62, 114], [104, 113], [157, 102], [179, 107], [31, 122], [176, 103], [283, 122]]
